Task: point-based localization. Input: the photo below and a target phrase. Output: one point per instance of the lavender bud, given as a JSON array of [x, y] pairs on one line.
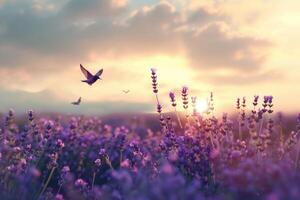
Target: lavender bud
[[30, 115], [154, 80], [255, 101], [159, 108], [59, 197], [60, 143], [80, 183], [172, 97], [11, 113], [184, 94], [238, 103], [65, 170], [244, 102], [102, 153]]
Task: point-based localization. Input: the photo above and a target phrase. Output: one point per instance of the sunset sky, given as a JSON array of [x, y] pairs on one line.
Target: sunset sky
[[234, 48]]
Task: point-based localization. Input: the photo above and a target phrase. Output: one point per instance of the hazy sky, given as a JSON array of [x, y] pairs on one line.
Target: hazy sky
[[234, 48]]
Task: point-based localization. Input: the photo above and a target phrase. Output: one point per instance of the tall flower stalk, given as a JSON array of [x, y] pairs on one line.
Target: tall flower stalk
[[155, 91], [211, 105], [174, 104], [185, 101]]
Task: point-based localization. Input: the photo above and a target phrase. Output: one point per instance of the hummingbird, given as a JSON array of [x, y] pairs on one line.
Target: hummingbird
[[126, 91], [77, 102], [90, 79]]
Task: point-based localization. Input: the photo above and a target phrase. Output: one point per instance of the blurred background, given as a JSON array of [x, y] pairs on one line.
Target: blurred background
[[232, 49]]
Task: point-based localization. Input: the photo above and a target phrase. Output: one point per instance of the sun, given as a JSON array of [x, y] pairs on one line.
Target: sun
[[202, 106]]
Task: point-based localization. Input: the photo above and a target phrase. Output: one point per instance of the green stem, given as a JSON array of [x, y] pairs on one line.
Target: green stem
[[261, 126], [240, 130], [47, 182], [297, 157], [59, 189], [178, 118], [109, 163], [93, 182]]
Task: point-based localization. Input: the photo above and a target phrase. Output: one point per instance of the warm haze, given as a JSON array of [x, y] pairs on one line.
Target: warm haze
[[233, 48]]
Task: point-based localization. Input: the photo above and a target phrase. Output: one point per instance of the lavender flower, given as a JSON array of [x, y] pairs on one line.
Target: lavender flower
[[174, 104], [255, 101], [204, 160], [30, 115], [238, 103], [172, 97], [80, 183], [159, 108], [97, 162], [184, 94], [154, 80]]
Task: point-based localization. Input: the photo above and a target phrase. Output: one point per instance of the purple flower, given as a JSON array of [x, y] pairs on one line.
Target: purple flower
[[60, 143], [11, 112], [65, 169], [34, 172], [159, 108], [255, 101], [102, 152], [184, 90], [154, 80], [172, 97], [30, 115], [59, 197], [80, 183], [153, 71], [97, 162], [244, 102], [49, 124], [238, 103], [270, 99], [184, 94]]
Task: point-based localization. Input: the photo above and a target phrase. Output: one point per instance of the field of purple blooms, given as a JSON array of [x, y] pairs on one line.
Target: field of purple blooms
[[191, 156]]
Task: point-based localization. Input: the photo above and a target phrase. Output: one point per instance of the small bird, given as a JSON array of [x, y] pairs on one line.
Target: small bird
[[90, 79], [126, 91], [77, 102]]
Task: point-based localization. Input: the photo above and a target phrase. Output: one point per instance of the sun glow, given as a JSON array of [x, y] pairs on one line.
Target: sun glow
[[202, 106]]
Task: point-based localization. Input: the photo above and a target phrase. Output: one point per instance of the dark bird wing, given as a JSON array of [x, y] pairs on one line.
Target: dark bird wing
[[76, 102], [126, 91], [99, 72], [86, 73]]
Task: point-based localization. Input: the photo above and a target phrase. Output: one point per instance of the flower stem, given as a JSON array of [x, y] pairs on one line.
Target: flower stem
[[178, 118], [298, 153], [93, 182], [47, 182], [109, 163]]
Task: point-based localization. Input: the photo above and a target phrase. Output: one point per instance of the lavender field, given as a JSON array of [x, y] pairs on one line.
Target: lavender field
[[181, 155], [149, 100]]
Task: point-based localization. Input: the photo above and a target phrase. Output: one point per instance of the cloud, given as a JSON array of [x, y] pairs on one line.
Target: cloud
[[91, 9], [148, 31], [214, 48], [39, 39], [240, 79], [202, 17]]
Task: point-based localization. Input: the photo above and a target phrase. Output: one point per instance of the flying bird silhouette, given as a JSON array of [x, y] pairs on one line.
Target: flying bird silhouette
[[77, 102], [90, 79], [126, 91]]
